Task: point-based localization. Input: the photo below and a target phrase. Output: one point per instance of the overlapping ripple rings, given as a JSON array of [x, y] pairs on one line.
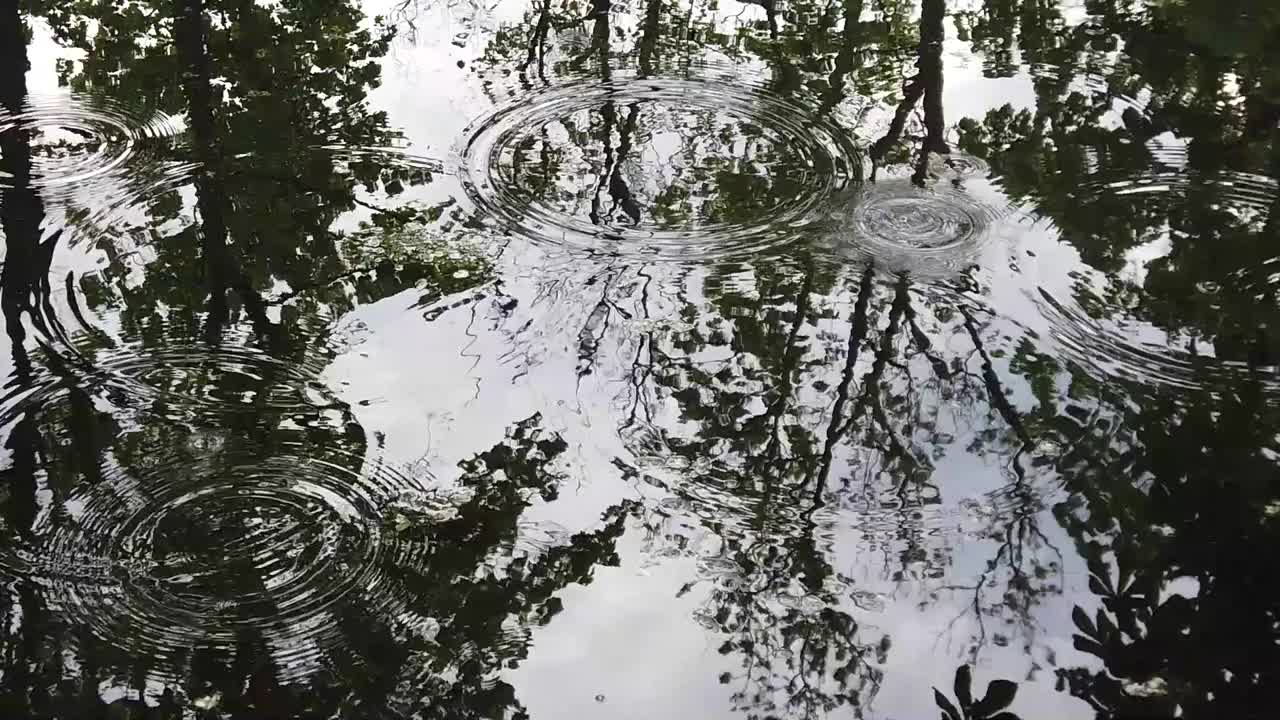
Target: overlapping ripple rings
[[675, 168], [74, 139], [185, 554]]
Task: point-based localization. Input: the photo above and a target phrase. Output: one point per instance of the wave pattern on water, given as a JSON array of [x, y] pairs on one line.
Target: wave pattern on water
[[185, 554], [1102, 333], [212, 379], [1236, 191], [1128, 106], [1116, 350], [672, 153], [74, 139], [921, 231]]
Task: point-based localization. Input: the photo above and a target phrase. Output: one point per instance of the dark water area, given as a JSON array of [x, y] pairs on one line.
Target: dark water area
[[701, 359]]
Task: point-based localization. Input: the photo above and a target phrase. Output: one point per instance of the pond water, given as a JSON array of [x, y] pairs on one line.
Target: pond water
[[640, 359]]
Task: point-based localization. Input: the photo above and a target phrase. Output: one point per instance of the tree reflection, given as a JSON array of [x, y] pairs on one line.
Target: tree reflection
[[804, 389], [1109, 187], [24, 279], [1179, 618], [800, 403], [433, 640], [266, 90], [1000, 694], [661, 164], [1166, 489]]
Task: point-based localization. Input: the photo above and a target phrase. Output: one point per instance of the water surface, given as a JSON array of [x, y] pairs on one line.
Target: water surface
[[655, 358]]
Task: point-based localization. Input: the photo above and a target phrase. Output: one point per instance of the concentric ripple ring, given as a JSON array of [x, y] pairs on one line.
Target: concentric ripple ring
[[184, 555], [78, 138], [196, 380], [1109, 340], [681, 157], [923, 231]]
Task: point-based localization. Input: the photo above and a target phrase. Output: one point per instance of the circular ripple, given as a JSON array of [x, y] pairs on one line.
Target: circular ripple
[[656, 167], [206, 554], [1138, 353], [1107, 337], [923, 231], [1249, 196], [211, 379], [73, 139], [962, 165], [904, 221], [1124, 106]]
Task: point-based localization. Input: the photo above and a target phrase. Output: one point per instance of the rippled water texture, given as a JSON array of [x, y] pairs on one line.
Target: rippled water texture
[[701, 168], [184, 554], [931, 231], [1113, 337], [639, 359], [75, 141]]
